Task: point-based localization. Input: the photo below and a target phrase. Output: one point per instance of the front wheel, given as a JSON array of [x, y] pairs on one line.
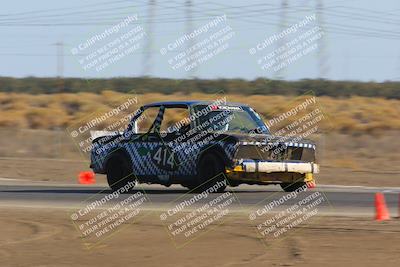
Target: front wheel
[[210, 175]]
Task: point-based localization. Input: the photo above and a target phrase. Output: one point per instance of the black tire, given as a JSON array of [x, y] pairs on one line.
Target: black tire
[[119, 172], [290, 187], [211, 172]]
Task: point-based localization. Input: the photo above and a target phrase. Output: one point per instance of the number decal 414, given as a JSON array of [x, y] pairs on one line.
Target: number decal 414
[[164, 158]]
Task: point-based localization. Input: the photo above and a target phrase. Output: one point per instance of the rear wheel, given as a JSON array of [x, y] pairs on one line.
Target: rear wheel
[[210, 174], [119, 173], [290, 187]]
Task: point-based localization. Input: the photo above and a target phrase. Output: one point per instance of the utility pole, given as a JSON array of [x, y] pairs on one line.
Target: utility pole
[[60, 65], [191, 42], [279, 74], [323, 57], [147, 56], [61, 89]]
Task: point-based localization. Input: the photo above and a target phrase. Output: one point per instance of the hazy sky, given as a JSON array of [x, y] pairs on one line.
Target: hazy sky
[[361, 38]]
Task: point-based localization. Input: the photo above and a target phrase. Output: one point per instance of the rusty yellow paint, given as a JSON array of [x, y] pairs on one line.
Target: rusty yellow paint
[[308, 177]]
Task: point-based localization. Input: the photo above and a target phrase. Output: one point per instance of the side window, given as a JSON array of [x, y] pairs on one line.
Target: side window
[[175, 119], [147, 118]]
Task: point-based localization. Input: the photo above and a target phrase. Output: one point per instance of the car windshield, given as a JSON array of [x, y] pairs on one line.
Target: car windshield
[[239, 119]]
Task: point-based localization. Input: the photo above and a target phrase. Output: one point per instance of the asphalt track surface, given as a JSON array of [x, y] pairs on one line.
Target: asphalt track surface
[[337, 200]]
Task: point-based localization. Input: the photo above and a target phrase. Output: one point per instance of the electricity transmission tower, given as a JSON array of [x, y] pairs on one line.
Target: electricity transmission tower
[[323, 66]]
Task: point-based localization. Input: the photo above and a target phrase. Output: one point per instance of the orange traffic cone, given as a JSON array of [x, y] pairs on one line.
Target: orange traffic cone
[[311, 184], [86, 178], [381, 211]]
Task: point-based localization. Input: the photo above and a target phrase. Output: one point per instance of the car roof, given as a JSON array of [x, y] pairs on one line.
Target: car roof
[[184, 104]]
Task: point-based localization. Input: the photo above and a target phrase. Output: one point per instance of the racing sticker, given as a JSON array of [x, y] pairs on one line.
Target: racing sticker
[[215, 107]]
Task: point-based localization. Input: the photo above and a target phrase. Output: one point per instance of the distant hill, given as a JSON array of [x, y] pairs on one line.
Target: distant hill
[[261, 86], [353, 114]]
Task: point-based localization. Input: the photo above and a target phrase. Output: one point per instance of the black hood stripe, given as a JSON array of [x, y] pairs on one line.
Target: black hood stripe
[[287, 144]]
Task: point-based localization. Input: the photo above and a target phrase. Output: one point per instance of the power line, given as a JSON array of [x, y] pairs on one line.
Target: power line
[[62, 9], [96, 12], [342, 29], [338, 28], [166, 7]]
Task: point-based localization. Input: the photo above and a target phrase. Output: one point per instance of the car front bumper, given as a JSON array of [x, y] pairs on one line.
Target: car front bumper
[[272, 171]]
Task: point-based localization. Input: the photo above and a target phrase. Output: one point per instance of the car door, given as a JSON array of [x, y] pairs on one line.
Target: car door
[[144, 147], [174, 132]]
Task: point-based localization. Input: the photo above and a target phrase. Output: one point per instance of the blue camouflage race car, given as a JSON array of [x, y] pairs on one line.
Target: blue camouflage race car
[[201, 144]]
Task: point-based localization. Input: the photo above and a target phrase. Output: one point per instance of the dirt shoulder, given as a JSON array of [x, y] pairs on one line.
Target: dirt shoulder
[[41, 237]]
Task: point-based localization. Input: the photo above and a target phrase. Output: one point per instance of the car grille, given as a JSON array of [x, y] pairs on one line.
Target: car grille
[[278, 152]]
